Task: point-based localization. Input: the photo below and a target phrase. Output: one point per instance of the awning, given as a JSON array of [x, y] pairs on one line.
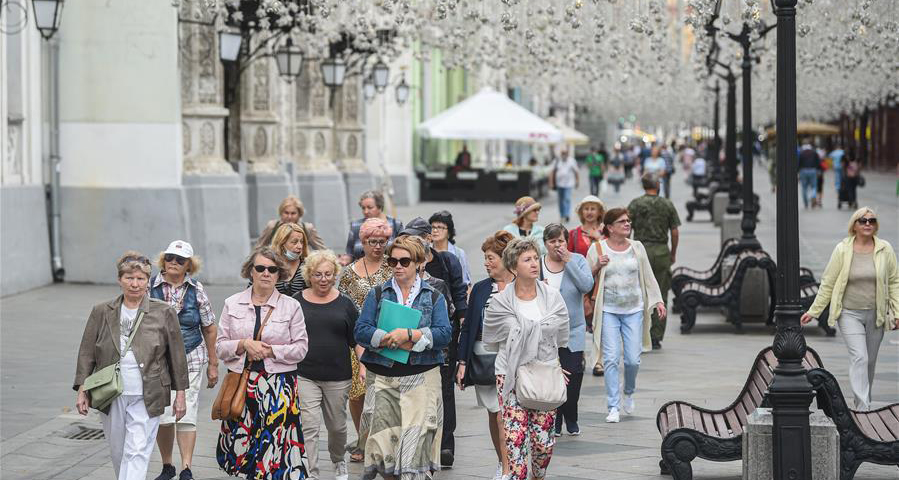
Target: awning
[[569, 135], [489, 115], [809, 128]]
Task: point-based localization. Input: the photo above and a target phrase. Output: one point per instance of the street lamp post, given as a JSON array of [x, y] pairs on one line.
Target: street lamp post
[[715, 150], [730, 148], [790, 392]]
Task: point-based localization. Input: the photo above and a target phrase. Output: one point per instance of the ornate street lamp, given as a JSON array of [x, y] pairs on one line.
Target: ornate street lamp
[[381, 75], [229, 44], [402, 91], [790, 392], [333, 72], [47, 14], [368, 88], [289, 59]]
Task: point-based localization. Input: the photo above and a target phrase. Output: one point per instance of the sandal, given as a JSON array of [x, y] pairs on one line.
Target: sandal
[[357, 456], [598, 371]]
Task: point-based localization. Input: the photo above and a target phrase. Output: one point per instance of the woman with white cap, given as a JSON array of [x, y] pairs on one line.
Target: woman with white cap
[[527, 212], [175, 286], [590, 211]]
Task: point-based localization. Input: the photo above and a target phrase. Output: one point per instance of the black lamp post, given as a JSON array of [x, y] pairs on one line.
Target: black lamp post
[[790, 392], [402, 91], [47, 14], [715, 148], [380, 75], [730, 146], [368, 88], [289, 59]]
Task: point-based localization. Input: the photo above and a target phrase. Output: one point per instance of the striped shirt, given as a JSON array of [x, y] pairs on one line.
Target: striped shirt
[[292, 286]]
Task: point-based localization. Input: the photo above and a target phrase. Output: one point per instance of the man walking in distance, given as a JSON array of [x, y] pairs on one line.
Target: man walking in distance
[[596, 163], [653, 217]]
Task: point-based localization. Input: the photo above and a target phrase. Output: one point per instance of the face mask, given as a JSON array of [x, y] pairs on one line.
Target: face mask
[[291, 256]]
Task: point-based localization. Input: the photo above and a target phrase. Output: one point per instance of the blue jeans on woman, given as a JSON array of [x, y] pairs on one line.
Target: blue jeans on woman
[[619, 331], [808, 182]]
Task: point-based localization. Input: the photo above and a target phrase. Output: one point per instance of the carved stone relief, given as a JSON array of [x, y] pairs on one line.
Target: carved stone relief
[[352, 146], [207, 138], [260, 142], [300, 144], [351, 103], [207, 85], [185, 138], [319, 93], [303, 98], [261, 85], [320, 144]]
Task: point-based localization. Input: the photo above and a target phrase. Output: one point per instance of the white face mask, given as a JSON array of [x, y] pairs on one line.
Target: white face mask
[[291, 256]]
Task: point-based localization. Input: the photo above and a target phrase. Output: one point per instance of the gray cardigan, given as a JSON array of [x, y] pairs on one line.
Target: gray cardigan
[[577, 281]]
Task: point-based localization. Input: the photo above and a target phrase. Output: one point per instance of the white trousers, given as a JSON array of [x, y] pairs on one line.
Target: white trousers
[[131, 433], [862, 337]]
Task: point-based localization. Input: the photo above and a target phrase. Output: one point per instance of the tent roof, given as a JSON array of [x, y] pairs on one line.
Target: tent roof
[[810, 128], [489, 115], [569, 135]]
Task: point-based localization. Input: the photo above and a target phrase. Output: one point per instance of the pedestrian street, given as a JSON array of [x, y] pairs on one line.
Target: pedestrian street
[[707, 367]]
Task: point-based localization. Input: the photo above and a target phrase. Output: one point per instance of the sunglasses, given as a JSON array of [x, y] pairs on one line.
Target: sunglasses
[[140, 259], [622, 221], [171, 257], [271, 268], [376, 243], [405, 262], [867, 221]]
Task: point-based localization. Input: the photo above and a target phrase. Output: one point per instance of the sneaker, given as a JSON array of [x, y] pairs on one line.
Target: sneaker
[[629, 405], [613, 416], [499, 471], [446, 459], [168, 472], [573, 429], [656, 345], [186, 474], [558, 426], [340, 471]]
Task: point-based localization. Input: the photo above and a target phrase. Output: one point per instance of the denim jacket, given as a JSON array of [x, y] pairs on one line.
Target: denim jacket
[[434, 325]]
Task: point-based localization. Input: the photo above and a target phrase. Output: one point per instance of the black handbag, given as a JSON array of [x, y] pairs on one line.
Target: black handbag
[[861, 181], [481, 370]]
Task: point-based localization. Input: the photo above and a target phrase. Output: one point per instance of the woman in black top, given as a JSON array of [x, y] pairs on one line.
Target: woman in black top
[[325, 375], [291, 243]]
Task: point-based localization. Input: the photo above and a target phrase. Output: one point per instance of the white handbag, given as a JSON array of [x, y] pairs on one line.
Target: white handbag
[[541, 385]]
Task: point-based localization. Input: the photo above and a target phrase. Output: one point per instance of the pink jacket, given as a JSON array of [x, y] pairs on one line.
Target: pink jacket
[[285, 331]]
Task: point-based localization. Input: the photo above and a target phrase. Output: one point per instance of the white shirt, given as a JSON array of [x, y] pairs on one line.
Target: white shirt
[[654, 165], [621, 286], [699, 167], [132, 383], [566, 172], [553, 279]]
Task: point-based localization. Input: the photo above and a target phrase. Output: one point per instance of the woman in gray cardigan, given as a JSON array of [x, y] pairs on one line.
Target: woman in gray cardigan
[[570, 274]]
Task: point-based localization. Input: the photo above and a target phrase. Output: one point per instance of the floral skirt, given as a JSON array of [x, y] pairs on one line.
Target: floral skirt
[[267, 442]]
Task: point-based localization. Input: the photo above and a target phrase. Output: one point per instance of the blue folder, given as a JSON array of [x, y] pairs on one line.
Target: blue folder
[[393, 316]]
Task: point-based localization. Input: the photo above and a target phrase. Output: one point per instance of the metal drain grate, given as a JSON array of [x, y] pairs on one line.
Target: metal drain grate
[[80, 432]]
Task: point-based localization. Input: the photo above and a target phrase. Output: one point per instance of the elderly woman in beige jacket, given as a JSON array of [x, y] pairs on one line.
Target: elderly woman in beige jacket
[[627, 294], [861, 284]]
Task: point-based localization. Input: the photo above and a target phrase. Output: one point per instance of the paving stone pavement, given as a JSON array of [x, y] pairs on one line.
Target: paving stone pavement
[[40, 331]]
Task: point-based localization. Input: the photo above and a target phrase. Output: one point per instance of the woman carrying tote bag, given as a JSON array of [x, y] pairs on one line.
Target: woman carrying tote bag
[[526, 324]]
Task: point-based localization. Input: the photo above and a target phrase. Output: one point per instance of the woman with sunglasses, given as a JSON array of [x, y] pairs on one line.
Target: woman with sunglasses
[[151, 365], [326, 372], [265, 332], [861, 284], [176, 286], [622, 316], [405, 398], [355, 282]]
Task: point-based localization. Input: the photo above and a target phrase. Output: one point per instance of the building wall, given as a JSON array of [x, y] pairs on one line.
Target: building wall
[[24, 237]]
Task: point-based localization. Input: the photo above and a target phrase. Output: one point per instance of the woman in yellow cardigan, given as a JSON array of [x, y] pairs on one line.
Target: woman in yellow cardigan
[[861, 284]]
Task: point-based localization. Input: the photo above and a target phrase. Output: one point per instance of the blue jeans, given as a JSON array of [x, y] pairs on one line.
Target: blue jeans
[[617, 331], [595, 182], [564, 201], [808, 181]]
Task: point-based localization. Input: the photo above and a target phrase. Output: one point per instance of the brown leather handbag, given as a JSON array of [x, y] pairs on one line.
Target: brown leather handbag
[[232, 396]]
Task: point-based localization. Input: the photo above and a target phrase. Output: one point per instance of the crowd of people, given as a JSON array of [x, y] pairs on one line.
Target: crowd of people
[[385, 332]]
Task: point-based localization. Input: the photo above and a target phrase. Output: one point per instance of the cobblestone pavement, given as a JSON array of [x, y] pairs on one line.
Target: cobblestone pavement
[[40, 331]]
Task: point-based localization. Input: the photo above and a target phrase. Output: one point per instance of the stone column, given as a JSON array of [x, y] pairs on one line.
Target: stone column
[[321, 184], [347, 152], [212, 188], [262, 99]]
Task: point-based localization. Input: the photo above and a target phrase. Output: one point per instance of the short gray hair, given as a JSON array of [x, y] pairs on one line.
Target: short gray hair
[[375, 195], [515, 249]]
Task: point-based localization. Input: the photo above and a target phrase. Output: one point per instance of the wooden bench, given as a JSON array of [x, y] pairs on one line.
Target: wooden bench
[[683, 275], [871, 436], [689, 431], [727, 293], [702, 200]]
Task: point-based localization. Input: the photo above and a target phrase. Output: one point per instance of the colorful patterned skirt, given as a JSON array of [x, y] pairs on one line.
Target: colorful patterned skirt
[[267, 442], [405, 426], [357, 388]]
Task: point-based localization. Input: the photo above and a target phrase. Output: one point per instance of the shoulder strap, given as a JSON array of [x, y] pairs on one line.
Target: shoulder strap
[[140, 317], [264, 322], [377, 301], [596, 278], [541, 269], [435, 295]]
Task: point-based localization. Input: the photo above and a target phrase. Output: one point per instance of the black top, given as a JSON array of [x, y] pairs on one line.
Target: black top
[[446, 267], [258, 365], [330, 329], [808, 158], [292, 286]]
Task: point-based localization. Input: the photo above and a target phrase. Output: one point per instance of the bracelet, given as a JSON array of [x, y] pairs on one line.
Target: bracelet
[[409, 331]]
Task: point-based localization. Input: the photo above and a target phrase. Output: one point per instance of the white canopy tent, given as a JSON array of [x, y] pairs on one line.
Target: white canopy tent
[[490, 115], [569, 135]]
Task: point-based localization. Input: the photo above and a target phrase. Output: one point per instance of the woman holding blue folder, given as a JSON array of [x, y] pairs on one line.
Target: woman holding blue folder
[[405, 396]]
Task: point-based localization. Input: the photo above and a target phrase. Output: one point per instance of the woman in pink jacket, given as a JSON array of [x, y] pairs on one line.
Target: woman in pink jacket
[[267, 442]]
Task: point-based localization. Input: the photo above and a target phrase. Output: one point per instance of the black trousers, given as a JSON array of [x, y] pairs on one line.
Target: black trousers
[[572, 362], [448, 387]]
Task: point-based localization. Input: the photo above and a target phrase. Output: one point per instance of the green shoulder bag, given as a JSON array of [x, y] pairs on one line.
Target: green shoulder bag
[[105, 385]]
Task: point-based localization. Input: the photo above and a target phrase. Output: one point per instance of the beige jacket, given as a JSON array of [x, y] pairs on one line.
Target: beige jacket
[[651, 294], [157, 347], [836, 276]]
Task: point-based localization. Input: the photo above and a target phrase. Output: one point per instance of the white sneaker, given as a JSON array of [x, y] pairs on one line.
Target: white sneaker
[[629, 404], [614, 416], [340, 471], [499, 472]]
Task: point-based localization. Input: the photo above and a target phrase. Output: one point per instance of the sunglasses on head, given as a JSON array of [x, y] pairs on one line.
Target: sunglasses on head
[[271, 268], [405, 262], [171, 257], [140, 259], [867, 221]]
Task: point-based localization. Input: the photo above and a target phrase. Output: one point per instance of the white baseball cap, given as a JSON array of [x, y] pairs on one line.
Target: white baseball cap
[[180, 248]]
